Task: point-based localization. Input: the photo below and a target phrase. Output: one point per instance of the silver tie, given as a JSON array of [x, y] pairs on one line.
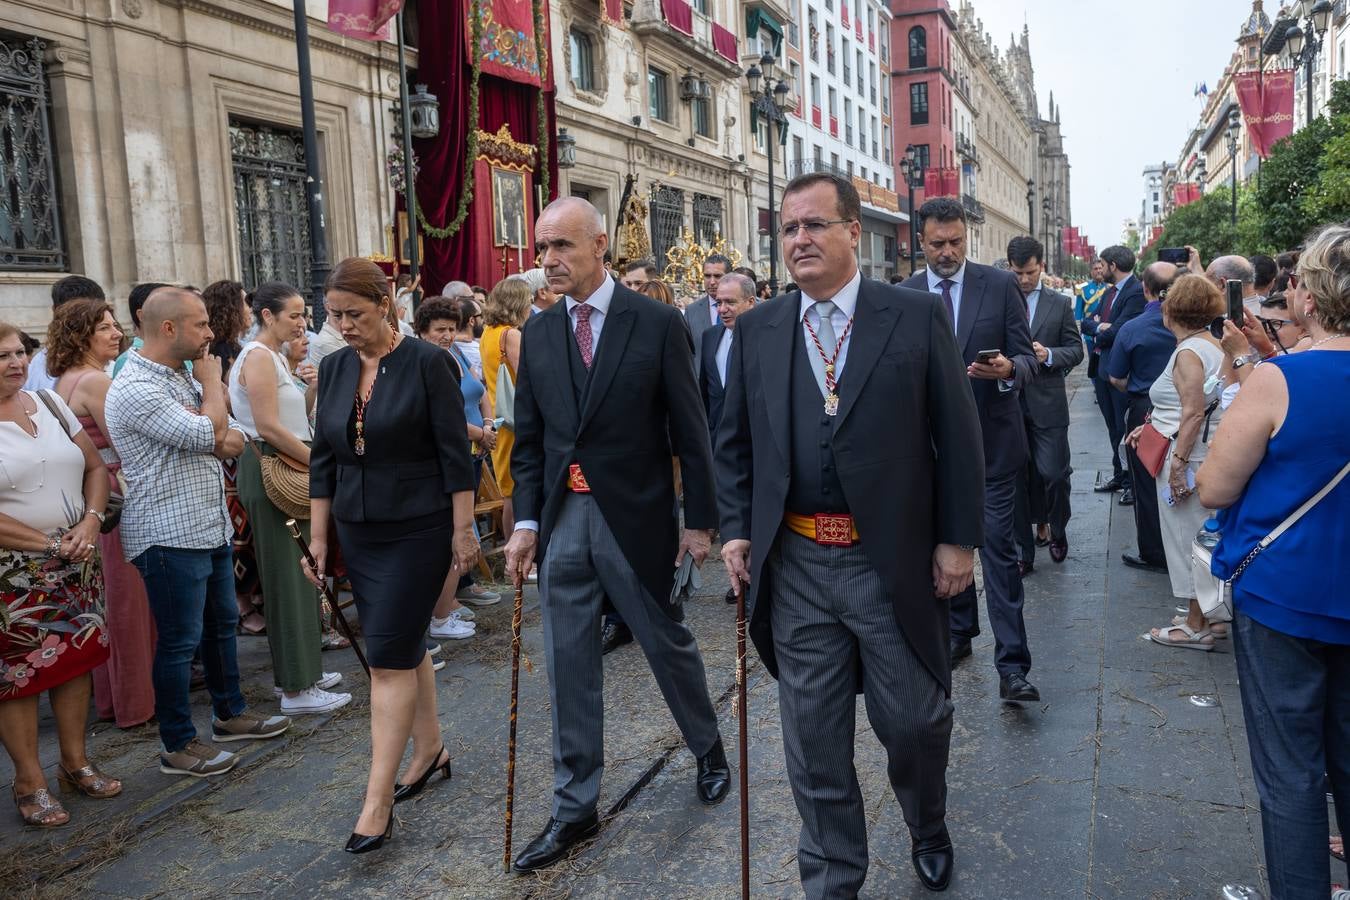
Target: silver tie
[[825, 334]]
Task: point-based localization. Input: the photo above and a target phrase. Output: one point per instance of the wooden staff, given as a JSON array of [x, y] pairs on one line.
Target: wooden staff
[[511, 739], [742, 737], [338, 617]]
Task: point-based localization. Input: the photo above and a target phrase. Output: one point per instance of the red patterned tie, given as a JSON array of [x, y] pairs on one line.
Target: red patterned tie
[[584, 338], [1107, 300]]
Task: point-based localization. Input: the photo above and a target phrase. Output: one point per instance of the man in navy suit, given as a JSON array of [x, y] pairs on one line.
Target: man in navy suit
[[735, 295], [994, 338], [1122, 301]]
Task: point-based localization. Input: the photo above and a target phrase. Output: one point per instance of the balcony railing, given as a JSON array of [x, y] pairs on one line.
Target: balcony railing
[[974, 208], [808, 166]]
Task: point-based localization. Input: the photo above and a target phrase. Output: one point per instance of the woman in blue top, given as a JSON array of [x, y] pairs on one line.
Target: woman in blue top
[[1285, 437]]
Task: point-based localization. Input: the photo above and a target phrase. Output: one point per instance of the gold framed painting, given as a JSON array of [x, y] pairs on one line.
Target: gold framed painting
[[404, 245], [508, 208]]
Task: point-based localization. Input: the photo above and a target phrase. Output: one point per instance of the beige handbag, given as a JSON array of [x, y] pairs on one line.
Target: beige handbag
[[285, 481]]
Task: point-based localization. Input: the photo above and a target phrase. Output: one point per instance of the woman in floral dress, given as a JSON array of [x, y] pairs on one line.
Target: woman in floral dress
[[53, 491]]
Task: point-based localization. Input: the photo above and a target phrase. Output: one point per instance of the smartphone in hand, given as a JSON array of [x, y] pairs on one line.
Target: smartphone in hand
[[985, 357], [1234, 290]]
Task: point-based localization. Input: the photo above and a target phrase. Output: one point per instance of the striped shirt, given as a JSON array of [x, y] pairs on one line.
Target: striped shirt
[[176, 488]]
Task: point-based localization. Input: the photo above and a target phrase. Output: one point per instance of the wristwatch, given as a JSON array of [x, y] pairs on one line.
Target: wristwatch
[[970, 547], [1250, 359], [102, 518]]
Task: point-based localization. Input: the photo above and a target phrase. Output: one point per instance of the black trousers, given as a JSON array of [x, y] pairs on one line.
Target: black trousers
[[1003, 595], [1112, 404], [1043, 490], [1147, 530]]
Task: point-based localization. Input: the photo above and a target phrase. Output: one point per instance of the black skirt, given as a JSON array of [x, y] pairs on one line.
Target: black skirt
[[397, 570]]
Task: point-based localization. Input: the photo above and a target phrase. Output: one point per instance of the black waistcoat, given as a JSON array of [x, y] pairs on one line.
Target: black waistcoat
[[814, 484]]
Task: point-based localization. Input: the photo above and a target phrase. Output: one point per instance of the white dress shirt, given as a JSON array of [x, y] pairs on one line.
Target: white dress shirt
[[724, 354], [958, 282], [1033, 301], [845, 305], [599, 301]]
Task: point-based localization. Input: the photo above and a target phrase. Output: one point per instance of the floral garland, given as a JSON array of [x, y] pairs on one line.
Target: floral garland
[[471, 149], [395, 169]]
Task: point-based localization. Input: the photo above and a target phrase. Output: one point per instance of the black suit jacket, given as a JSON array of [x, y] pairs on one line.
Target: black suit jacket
[[417, 446], [709, 381], [1045, 400], [993, 316], [906, 446], [1129, 302], [640, 406]]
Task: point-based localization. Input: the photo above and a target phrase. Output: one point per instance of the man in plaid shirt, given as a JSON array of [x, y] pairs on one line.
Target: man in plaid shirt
[[171, 429]]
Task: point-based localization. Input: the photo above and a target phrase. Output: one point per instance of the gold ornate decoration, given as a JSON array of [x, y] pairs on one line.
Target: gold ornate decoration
[[504, 149], [685, 261], [633, 241]]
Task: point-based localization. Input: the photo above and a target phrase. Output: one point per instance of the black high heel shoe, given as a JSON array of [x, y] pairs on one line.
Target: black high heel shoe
[[364, 843], [407, 791]]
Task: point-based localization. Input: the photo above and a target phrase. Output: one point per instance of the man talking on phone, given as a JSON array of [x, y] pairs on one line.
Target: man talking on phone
[[993, 335]]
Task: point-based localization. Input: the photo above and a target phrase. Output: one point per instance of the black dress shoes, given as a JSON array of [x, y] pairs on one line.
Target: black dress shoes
[[613, 636], [364, 843], [714, 775], [960, 648], [1059, 549], [1016, 689], [554, 842], [1025, 568], [933, 860], [1109, 487], [731, 595], [1126, 497], [1138, 562]]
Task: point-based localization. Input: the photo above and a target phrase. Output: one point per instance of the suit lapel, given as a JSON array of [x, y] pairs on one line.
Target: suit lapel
[[559, 337], [613, 341], [1042, 310], [775, 356], [874, 320], [345, 390], [972, 297]]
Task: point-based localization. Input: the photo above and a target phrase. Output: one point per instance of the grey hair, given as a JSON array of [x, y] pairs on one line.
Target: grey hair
[[1237, 268], [746, 285], [455, 289], [534, 278], [1324, 269]]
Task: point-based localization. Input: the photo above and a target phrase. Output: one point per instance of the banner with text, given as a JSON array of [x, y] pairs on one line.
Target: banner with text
[[1267, 103]]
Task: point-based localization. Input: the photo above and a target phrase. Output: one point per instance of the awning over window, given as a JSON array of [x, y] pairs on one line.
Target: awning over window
[[755, 19]]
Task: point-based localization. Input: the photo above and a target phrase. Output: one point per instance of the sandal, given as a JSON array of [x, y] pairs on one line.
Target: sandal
[[253, 624], [1192, 640], [88, 781], [49, 814], [332, 640], [1218, 629]]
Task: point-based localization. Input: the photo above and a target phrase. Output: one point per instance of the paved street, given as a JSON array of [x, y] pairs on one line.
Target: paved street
[[1116, 785]]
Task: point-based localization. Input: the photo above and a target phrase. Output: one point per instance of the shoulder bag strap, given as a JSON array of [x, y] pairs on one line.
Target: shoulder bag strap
[[1292, 519], [46, 397]]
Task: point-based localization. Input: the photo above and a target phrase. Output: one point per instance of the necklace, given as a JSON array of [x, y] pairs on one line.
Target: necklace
[[831, 396], [362, 402], [1330, 337]]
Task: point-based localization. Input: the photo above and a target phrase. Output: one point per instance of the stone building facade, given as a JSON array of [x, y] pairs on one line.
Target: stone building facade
[[172, 142]]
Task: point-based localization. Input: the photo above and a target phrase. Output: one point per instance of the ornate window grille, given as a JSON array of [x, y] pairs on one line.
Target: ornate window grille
[[667, 211], [707, 219], [270, 209], [30, 223]]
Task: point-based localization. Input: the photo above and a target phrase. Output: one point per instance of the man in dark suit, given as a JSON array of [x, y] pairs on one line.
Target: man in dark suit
[[1045, 403], [605, 395], [846, 402], [735, 295], [1122, 301], [990, 315], [701, 313]]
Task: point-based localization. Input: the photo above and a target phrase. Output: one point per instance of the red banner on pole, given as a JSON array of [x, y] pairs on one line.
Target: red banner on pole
[[507, 49], [1267, 104], [932, 183], [367, 20]]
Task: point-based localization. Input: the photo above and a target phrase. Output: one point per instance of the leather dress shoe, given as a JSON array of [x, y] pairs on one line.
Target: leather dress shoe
[[933, 859], [613, 636], [1017, 689], [714, 774], [1025, 568], [553, 843], [1126, 497], [960, 648], [1059, 549], [1109, 487], [1138, 562], [731, 595]]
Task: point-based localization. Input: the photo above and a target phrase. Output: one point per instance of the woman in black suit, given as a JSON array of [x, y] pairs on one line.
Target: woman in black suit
[[391, 464]]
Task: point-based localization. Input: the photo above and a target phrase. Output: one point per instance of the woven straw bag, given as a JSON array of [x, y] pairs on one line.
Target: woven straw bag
[[286, 483]]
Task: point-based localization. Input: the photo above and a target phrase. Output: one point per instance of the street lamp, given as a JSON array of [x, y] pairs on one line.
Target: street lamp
[[1201, 174], [1059, 244], [567, 149], [1031, 205], [1306, 42], [911, 170], [768, 98], [1045, 220], [1234, 125]]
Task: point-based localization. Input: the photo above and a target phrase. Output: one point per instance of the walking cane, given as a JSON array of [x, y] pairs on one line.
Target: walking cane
[[327, 592], [511, 740], [742, 737]]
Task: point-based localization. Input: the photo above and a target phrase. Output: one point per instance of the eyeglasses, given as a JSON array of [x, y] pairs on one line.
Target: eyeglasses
[[1273, 326], [813, 227]]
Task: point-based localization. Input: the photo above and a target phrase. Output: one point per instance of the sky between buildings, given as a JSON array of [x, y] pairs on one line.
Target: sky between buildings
[[1124, 76]]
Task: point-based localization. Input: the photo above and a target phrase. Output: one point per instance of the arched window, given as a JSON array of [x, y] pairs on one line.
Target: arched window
[[918, 47]]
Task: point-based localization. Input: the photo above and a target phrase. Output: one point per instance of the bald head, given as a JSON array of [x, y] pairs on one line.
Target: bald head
[[578, 213], [736, 283], [570, 235], [167, 304], [174, 326], [1158, 278], [1236, 268]]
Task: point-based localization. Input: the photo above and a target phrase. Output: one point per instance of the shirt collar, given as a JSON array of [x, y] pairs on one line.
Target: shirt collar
[[846, 298], [1120, 285], [600, 299], [935, 280], [1152, 305], [134, 356]]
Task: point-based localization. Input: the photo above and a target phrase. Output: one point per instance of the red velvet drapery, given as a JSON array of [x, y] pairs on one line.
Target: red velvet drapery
[[444, 68]]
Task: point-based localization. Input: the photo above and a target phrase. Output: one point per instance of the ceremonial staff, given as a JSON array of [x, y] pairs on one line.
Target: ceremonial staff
[[742, 737], [327, 592], [511, 739]]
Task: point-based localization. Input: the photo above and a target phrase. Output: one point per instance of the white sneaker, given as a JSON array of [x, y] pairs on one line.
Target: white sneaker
[[478, 596], [313, 699], [326, 681], [451, 628], [437, 664]]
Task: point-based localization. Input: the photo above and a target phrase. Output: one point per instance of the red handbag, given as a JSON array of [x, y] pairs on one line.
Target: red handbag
[[1152, 449]]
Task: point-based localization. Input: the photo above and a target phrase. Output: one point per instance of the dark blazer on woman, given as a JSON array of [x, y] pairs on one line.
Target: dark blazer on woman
[[417, 446]]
